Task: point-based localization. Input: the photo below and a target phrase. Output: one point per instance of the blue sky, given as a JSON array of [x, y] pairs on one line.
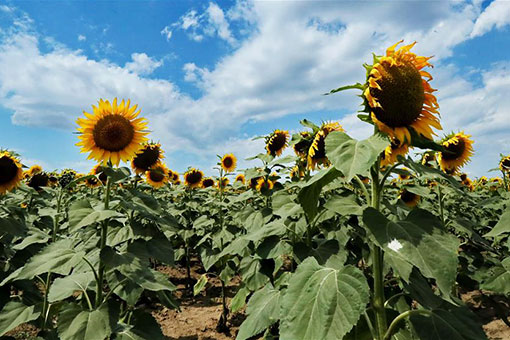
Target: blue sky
[[210, 75]]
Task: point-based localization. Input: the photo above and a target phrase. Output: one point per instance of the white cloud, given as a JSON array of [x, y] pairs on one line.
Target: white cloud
[[142, 64], [167, 33], [497, 14], [81, 37]]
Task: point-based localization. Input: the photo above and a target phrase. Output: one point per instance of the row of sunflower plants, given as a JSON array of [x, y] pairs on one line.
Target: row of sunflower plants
[[346, 239]]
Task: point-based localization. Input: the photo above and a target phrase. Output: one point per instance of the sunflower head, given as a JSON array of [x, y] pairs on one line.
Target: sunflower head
[[113, 132], [39, 180], [240, 178], [149, 155], [193, 178], [409, 198], [392, 151], [504, 164], [264, 185], [254, 181], [157, 175], [11, 172], [207, 182], [174, 177], [428, 157], [303, 144], [317, 150], [92, 182], [228, 162], [34, 169], [482, 181], [458, 150], [53, 179], [276, 142], [399, 95], [223, 182], [98, 170]]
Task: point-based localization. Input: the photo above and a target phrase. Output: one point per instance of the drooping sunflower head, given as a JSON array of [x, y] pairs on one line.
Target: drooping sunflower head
[[112, 132], [302, 146], [459, 148], [149, 155], [504, 164], [228, 162], [39, 180], [53, 179], [399, 94], [240, 178], [34, 169], [317, 150], [207, 182], [276, 142], [11, 172], [223, 182], [428, 157], [264, 184], [98, 170], [193, 178], [157, 175], [409, 198], [253, 182], [296, 173], [66, 177], [92, 182], [392, 151]]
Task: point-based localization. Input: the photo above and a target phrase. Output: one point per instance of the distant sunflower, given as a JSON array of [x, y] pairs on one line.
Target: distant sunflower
[[459, 148], [427, 158], [410, 199], [389, 155], [229, 162], [34, 169], [112, 132], [98, 170], [193, 178], [39, 180], [504, 164], [150, 154], [92, 182], [276, 142], [264, 184], [240, 178], [223, 182], [11, 172], [157, 175], [253, 182], [399, 96], [207, 182], [174, 177], [317, 150], [303, 145], [482, 181], [53, 180], [296, 172]]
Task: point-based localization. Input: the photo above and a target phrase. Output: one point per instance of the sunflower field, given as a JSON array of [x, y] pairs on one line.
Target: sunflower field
[[381, 238]]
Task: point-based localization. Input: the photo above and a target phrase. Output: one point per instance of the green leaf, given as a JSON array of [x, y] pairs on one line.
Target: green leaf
[[14, 314], [309, 194], [63, 288], [200, 285], [250, 272], [344, 206], [12, 226], [503, 225], [356, 86], [322, 303], [144, 327], [239, 300], [74, 323], [497, 278], [352, 157], [419, 240], [263, 311], [82, 214], [447, 324], [117, 174]]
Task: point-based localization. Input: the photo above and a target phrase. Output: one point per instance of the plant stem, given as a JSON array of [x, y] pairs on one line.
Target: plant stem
[[377, 263], [440, 198], [363, 187], [104, 232], [402, 316]]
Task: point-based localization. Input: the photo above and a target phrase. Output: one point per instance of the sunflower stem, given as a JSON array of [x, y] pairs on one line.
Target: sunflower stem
[[440, 199], [104, 232]]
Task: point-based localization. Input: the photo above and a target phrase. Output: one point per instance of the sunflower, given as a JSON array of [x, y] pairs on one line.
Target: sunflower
[[482, 181], [428, 157], [399, 96], [228, 162], [264, 184], [157, 175], [193, 178], [207, 182], [317, 150], [504, 164], [92, 182], [254, 181], [223, 182], [410, 199], [174, 177], [53, 180], [459, 148], [11, 172], [389, 155], [40, 179], [98, 170], [150, 154], [303, 145], [240, 178], [34, 169], [276, 142], [112, 132]]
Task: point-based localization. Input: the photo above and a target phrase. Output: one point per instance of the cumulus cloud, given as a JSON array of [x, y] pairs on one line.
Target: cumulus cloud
[[142, 64], [497, 14], [167, 33]]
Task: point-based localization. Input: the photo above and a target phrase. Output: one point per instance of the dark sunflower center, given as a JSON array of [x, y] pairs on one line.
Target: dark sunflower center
[[253, 182], [194, 177], [156, 176], [39, 180], [301, 146], [454, 151], [113, 133], [147, 158], [227, 162], [208, 183], [8, 169], [277, 143], [92, 180], [320, 151], [407, 196], [401, 97], [506, 163]]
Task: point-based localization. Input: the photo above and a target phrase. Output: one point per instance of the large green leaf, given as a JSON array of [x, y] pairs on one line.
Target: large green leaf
[[497, 278], [503, 225], [353, 157], [82, 214], [263, 310], [321, 302], [14, 314], [344, 205], [309, 194], [74, 323], [64, 287], [420, 240], [143, 327]]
